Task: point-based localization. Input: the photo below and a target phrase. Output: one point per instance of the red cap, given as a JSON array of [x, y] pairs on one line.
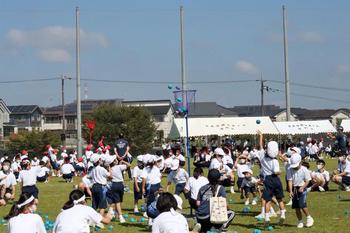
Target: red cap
[[108, 147], [80, 159], [24, 152], [88, 147]]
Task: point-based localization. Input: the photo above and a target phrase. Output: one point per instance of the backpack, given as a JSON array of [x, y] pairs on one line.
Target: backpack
[[218, 209]]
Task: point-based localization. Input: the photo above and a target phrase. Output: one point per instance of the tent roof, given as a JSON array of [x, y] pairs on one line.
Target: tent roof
[[222, 126], [346, 125], [304, 127]]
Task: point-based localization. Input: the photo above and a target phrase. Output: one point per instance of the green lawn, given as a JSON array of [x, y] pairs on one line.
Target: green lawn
[[326, 208]]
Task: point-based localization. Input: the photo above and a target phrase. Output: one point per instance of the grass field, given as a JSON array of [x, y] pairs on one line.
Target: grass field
[[327, 209]]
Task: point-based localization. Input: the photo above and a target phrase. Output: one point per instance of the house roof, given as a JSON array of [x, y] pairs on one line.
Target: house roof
[[23, 109], [255, 110], [209, 109], [3, 106]]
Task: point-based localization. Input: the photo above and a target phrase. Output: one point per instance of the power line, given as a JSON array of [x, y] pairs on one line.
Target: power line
[[313, 86], [28, 80]]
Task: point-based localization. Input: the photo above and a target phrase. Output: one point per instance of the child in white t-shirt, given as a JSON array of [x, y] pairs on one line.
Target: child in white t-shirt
[[136, 175], [320, 178], [248, 187], [43, 173], [67, 170], [178, 176], [28, 178]]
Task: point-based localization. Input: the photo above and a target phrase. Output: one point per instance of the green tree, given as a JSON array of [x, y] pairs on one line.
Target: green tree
[[35, 141], [135, 123]]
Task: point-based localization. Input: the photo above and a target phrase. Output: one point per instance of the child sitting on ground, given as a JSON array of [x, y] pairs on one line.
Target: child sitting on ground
[[67, 170], [43, 173], [320, 178]]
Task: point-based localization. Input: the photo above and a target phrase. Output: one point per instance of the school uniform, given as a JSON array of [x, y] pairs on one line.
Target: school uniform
[[76, 219], [35, 163], [116, 192], [170, 222], [67, 171], [345, 167], [99, 177], [9, 181], [215, 164], [240, 176], [298, 178], [28, 223], [28, 180], [167, 164], [15, 168], [325, 175], [45, 159], [272, 183], [179, 178], [228, 161], [136, 173], [193, 185], [80, 166], [249, 185], [43, 174], [153, 179]]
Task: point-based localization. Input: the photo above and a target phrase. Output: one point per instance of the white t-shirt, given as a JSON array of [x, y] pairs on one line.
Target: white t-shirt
[[298, 177], [67, 168], [28, 177], [87, 181], [168, 222], [99, 175], [179, 176], [215, 164], [324, 174], [88, 154], [108, 159], [10, 179], [76, 219], [193, 185], [249, 183], [240, 169], [28, 223], [160, 162], [227, 159], [43, 171], [117, 173], [152, 175], [167, 162], [45, 159], [344, 167], [136, 173], [269, 166], [35, 163], [15, 167]]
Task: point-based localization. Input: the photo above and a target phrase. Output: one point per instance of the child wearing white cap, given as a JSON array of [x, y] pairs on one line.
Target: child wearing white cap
[[298, 179], [178, 176], [136, 175]]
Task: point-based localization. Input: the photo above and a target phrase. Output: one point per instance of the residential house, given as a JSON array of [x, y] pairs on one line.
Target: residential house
[[25, 118], [209, 109], [4, 118]]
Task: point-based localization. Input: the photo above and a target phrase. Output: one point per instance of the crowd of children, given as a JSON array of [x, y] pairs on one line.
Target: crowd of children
[[103, 170]]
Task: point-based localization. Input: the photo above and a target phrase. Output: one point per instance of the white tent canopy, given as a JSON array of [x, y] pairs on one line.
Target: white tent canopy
[[346, 125], [304, 127], [222, 126]]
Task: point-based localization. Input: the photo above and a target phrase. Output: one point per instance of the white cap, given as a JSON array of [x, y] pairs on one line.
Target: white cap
[[179, 201], [95, 158], [140, 158], [175, 164], [247, 170], [148, 158], [272, 149], [295, 149], [219, 151], [295, 160]]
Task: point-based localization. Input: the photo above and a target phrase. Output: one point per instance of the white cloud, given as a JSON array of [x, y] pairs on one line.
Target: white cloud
[[54, 43], [343, 68], [246, 67], [54, 55], [311, 37]]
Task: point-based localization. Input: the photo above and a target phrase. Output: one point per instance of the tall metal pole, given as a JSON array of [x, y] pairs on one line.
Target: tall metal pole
[[184, 88], [262, 95], [77, 27], [63, 137], [286, 71]]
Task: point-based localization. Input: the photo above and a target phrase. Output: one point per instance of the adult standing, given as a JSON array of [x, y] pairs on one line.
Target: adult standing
[[121, 149], [341, 140]]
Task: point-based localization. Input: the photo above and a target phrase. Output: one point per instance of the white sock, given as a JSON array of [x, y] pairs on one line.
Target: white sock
[[262, 210], [283, 213], [272, 211], [267, 217]]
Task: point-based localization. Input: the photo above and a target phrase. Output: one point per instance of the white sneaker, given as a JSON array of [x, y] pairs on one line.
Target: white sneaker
[[321, 189], [290, 202], [121, 219], [246, 202], [145, 215], [308, 190], [309, 221], [232, 189], [261, 215], [136, 210], [300, 224], [197, 228], [111, 212], [254, 202], [347, 188]]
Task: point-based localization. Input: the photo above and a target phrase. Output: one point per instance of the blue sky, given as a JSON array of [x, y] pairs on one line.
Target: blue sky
[[139, 40]]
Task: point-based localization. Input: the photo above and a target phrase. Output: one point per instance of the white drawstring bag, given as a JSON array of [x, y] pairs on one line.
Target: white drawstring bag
[[218, 209]]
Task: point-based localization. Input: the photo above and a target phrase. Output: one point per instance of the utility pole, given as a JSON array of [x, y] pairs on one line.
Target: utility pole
[[286, 71], [262, 87], [77, 37], [63, 135]]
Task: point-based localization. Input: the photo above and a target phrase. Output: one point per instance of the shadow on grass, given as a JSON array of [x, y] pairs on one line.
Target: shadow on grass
[[260, 225]]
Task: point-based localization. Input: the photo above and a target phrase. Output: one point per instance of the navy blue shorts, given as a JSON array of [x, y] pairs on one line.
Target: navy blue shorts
[[299, 199], [249, 189], [239, 182], [345, 180], [138, 195], [68, 176], [115, 193], [54, 165], [31, 191], [180, 188], [272, 188], [150, 192], [99, 200], [42, 178]]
